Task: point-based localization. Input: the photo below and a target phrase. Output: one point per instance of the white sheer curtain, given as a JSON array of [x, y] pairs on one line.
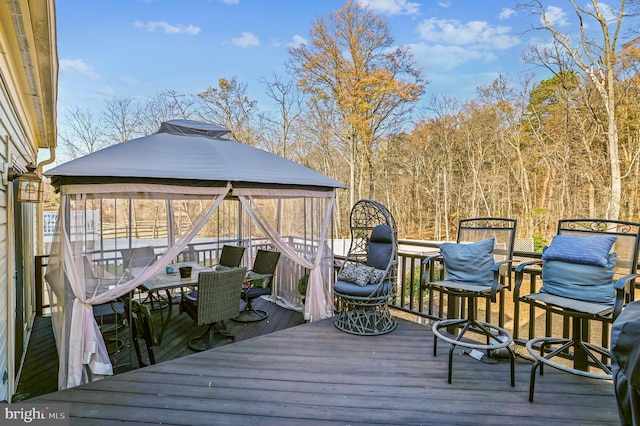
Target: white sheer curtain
[[76, 287], [319, 298]]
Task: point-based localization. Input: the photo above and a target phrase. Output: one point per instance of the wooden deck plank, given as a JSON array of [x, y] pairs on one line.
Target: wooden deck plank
[[39, 375], [316, 374]]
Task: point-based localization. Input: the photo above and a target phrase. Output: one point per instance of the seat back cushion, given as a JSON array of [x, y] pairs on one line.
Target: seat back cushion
[[380, 247], [590, 283], [469, 263], [588, 250]]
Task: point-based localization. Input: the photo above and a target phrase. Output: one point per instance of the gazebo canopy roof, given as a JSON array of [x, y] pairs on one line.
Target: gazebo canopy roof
[[188, 152]]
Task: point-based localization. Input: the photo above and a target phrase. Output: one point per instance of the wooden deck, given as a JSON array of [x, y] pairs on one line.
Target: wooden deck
[[316, 374], [40, 370]]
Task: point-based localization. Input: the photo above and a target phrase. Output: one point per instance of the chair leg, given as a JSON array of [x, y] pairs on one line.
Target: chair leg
[[476, 327], [532, 380], [450, 373], [210, 334], [249, 314]]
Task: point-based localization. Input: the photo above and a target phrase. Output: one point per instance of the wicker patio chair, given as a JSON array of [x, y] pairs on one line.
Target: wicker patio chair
[[231, 256], [218, 299], [477, 266], [259, 283], [588, 274], [366, 282]]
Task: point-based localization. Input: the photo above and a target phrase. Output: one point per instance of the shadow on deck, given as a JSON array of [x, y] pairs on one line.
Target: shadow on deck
[[40, 370], [316, 374]]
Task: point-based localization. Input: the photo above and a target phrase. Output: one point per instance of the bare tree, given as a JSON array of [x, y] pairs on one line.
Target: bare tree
[[122, 118], [597, 60], [229, 106], [166, 105], [289, 106], [81, 133]]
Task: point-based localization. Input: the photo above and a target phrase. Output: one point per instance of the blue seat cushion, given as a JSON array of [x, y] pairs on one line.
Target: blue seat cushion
[[589, 283], [469, 263], [255, 292], [588, 250], [352, 289]]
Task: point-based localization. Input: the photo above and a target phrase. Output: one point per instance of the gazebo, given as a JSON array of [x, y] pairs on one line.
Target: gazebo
[[183, 184]]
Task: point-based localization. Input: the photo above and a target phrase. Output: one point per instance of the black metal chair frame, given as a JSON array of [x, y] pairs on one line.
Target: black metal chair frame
[[584, 354], [263, 271], [138, 257], [142, 327], [495, 336], [369, 315]]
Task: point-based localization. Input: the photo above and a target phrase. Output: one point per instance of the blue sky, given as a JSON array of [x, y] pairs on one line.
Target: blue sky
[[137, 48]]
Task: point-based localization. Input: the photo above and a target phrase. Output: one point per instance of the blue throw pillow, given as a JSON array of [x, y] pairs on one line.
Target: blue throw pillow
[[579, 281], [592, 250], [469, 263]]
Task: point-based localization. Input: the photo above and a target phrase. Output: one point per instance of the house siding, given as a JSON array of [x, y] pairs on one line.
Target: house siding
[[28, 92]]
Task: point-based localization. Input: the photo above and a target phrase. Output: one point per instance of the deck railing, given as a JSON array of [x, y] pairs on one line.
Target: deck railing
[[412, 301]]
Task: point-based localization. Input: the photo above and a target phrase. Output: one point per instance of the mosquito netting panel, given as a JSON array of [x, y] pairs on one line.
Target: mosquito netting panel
[[298, 224], [99, 224], [86, 266]]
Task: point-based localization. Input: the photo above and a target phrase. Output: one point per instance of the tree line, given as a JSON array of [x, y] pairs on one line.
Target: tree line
[[357, 109]]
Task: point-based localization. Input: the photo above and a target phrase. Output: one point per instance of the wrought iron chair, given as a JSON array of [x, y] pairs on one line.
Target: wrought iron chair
[[110, 316], [588, 274], [258, 283], [142, 327], [218, 300], [625, 363], [140, 257], [477, 266], [366, 282]]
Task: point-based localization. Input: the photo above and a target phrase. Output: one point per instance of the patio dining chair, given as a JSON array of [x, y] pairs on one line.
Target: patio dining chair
[[366, 284], [218, 299], [477, 266], [588, 275], [141, 257], [230, 257], [259, 282], [142, 328], [138, 257]]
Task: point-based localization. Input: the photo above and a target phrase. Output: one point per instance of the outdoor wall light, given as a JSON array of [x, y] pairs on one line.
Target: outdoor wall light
[[30, 185]]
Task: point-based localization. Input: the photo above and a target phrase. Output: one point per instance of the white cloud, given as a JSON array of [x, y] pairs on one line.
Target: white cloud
[[167, 28], [609, 13], [77, 68], [230, 1], [246, 39], [556, 16], [506, 13], [297, 41], [439, 58], [477, 34], [392, 7]]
